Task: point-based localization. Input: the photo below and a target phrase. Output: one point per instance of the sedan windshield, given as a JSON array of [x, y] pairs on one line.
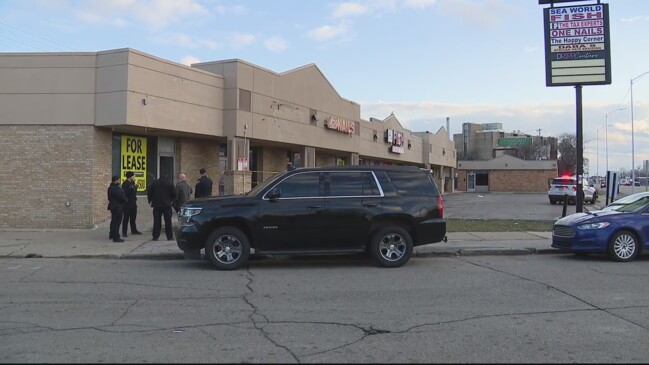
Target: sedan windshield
[[630, 204]]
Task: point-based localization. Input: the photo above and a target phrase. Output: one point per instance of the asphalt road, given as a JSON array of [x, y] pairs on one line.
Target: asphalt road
[[517, 309]]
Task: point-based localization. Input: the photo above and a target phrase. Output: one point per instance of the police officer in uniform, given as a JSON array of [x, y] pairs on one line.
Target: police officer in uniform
[[116, 202], [130, 209]]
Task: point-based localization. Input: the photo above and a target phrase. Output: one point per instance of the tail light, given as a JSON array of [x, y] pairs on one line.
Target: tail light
[[574, 188], [440, 203]]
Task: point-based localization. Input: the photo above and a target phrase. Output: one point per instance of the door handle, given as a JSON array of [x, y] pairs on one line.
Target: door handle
[[314, 207]]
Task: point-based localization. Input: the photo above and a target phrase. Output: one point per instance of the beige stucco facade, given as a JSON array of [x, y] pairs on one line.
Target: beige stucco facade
[[63, 115]]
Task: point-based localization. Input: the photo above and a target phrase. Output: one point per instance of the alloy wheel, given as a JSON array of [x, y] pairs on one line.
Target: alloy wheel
[[392, 247], [227, 249]]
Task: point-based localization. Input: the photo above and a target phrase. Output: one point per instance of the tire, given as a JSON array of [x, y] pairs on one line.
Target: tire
[[552, 201], [227, 248], [594, 200], [391, 246], [623, 246]]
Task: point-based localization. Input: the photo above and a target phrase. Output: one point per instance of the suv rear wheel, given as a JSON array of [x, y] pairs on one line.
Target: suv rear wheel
[[391, 246], [227, 248]]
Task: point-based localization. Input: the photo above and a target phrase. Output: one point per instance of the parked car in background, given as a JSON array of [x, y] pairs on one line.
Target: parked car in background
[[561, 187], [620, 229], [602, 184], [382, 210]]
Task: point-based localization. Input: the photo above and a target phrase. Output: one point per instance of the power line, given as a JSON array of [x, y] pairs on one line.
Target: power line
[[33, 38]]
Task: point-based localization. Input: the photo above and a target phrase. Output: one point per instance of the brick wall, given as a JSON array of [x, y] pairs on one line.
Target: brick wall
[[45, 166], [195, 153], [272, 161], [520, 180], [101, 173]]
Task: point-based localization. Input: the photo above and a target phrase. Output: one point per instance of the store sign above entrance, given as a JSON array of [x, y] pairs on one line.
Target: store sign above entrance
[[577, 45], [395, 139], [341, 125], [133, 158]]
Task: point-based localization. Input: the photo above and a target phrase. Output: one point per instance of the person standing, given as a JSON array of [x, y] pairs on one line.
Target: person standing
[[130, 210], [116, 202], [203, 185], [161, 196], [183, 192]]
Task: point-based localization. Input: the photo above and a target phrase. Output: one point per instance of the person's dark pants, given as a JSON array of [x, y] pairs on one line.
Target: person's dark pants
[[130, 214], [158, 213], [115, 221]]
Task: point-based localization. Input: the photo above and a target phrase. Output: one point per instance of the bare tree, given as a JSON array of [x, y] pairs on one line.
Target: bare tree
[[567, 162]]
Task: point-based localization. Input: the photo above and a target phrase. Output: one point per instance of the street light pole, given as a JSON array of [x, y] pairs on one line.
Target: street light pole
[[632, 136], [606, 125]]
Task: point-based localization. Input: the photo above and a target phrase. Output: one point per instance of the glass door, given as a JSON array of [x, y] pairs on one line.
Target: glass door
[[470, 181]]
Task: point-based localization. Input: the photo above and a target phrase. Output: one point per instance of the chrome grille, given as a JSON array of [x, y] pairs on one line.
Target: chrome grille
[[563, 231]]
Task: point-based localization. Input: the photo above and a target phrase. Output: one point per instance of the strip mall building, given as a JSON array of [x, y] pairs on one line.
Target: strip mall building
[[69, 121]]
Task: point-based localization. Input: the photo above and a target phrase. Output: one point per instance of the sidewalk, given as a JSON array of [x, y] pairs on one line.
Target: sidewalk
[[94, 243]]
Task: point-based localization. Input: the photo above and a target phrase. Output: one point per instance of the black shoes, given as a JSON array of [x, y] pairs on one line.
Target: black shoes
[[118, 240], [154, 239], [136, 232], [170, 238], [124, 235]]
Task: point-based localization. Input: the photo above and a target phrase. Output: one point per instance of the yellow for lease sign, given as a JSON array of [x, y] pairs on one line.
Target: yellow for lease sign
[[134, 159]]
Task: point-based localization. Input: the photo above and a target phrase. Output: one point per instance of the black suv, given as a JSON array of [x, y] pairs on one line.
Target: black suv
[[385, 210]]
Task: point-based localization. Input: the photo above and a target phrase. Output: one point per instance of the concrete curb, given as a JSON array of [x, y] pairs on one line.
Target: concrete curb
[[435, 253]]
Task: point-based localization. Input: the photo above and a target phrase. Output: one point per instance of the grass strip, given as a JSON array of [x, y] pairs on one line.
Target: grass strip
[[497, 225]]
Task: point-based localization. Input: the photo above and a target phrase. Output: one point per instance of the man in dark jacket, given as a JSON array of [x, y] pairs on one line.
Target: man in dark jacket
[[203, 186], [161, 196], [116, 202], [130, 210]]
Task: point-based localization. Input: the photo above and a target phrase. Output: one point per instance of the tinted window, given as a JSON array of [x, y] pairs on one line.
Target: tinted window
[[351, 184], [301, 185], [563, 182], [413, 183]]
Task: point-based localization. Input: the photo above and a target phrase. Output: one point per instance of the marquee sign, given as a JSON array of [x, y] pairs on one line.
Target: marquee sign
[[577, 45], [341, 125]]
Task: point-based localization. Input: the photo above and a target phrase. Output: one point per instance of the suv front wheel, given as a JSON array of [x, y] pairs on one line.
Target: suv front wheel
[[391, 246], [227, 248]]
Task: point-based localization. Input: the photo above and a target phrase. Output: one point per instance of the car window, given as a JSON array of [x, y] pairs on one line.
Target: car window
[[413, 183], [563, 182], [350, 183], [301, 185], [626, 205]]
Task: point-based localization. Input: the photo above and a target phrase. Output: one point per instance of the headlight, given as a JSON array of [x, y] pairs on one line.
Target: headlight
[[189, 212], [594, 225]]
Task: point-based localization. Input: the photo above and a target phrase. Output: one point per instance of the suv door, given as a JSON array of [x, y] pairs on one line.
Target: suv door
[[352, 199], [292, 220]]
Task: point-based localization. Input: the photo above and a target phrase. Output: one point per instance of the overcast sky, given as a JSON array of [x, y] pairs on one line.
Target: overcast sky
[[479, 61]]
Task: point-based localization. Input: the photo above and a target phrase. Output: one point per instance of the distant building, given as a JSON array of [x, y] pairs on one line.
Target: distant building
[[490, 159], [488, 140]]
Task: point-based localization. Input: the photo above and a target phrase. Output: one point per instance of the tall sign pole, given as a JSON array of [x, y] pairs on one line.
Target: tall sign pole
[[577, 53]]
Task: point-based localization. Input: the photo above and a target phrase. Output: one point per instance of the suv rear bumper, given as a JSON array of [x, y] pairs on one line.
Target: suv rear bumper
[[430, 231]]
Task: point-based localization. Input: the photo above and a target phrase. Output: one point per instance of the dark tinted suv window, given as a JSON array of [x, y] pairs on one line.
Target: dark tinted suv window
[[413, 183], [352, 183], [301, 185]]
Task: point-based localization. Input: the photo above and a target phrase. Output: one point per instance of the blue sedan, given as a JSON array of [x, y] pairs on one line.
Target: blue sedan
[[620, 229]]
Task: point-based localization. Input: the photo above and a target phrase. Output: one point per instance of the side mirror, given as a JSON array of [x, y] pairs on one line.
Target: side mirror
[[274, 193]]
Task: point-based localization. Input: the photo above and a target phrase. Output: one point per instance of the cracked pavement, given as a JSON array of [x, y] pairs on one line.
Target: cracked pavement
[[550, 308]]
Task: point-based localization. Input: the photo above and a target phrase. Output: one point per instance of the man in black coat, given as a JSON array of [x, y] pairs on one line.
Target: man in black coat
[[161, 196], [116, 202], [130, 210], [203, 186]]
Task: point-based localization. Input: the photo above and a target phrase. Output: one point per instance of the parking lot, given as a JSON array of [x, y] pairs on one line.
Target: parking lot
[[521, 206]]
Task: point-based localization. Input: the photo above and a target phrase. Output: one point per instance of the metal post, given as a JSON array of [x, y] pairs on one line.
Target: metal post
[[632, 145], [580, 151]]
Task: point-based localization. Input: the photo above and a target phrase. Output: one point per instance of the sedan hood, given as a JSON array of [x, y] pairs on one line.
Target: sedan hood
[[583, 217]]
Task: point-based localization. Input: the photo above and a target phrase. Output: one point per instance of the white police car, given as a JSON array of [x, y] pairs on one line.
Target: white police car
[[566, 185]]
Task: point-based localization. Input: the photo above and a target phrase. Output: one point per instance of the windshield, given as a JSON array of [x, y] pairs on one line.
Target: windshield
[[629, 204], [259, 187]]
